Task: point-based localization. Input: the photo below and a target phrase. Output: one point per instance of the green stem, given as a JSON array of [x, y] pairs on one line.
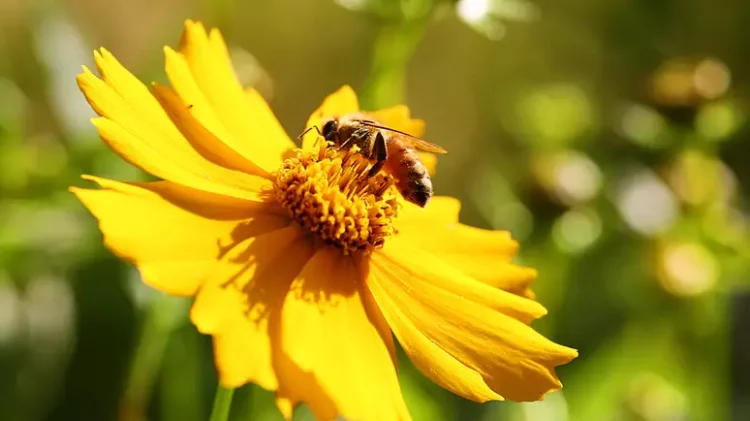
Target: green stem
[[222, 404], [394, 48], [161, 317]]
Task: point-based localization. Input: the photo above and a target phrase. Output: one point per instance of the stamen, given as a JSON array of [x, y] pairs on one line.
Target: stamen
[[330, 193]]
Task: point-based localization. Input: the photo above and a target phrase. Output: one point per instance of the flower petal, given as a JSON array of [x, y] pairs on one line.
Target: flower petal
[[426, 268], [172, 233], [482, 254], [436, 228], [442, 209], [296, 386], [399, 118], [428, 357], [243, 294], [482, 328], [135, 126], [202, 75], [241, 307], [340, 102], [203, 140], [330, 329]]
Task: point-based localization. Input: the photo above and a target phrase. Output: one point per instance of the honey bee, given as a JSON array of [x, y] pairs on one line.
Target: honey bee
[[389, 149]]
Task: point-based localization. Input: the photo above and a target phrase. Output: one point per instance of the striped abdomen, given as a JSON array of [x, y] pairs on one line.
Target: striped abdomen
[[413, 180]]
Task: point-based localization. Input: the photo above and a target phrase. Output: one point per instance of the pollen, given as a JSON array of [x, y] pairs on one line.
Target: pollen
[[331, 194]]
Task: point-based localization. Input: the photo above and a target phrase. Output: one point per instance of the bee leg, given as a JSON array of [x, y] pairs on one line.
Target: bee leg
[[380, 152], [345, 143], [317, 139], [306, 131]]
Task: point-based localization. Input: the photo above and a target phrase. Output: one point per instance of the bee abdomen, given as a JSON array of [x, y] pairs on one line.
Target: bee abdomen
[[415, 184]]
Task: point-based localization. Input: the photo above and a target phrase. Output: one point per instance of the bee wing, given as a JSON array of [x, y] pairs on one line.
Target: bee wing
[[423, 145], [412, 141]]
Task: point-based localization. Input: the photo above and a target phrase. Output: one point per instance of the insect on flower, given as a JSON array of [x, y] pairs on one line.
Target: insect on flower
[[389, 149]]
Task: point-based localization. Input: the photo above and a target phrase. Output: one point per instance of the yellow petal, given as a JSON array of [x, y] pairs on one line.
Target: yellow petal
[[428, 357], [241, 307], [135, 126], [329, 329], [340, 102], [203, 140], [426, 268], [436, 229], [488, 264], [248, 125], [241, 300], [132, 91], [172, 233], [482, 254], [478, 326], [440, 209], [286, 407], [399, 118], [296, 386]]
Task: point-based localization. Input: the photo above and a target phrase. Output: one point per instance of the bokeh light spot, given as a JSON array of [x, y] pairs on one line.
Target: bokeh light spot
[[726, 225], [554, 116], [473, 11], [689, 269], [653, 397], [712, 78], [646, 203], [578, 177], [718, 121], [699, 179], [685, 81], [643, 126], [576, 230]]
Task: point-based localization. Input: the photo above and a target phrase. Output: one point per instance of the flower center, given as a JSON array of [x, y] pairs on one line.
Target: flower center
[[330, 193]]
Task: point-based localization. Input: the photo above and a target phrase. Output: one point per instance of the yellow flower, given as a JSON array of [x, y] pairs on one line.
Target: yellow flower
[[303, 268]]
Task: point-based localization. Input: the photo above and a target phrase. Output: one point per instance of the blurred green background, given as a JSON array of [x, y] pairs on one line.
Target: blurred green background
[[610, 137]]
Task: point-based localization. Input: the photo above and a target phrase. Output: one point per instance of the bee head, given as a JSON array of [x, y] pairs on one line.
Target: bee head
[[330, 127]]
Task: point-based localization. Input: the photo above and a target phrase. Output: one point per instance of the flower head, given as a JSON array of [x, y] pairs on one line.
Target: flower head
[[303, 264], [332, 195]]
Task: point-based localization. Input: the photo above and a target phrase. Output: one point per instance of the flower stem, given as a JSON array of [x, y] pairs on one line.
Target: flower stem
[[394, 47], [162, 316], [222, 404]]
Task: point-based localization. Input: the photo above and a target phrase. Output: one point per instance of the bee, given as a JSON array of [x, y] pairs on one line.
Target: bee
[[388, 148]]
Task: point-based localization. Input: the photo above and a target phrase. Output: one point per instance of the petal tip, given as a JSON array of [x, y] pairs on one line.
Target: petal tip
[[105, 53], [572, 354], [215, 34], [99, 122], [286, 407], [91, 178], [189, 23], [169, 52], [86, 72], [194, 28], [347, 89]]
